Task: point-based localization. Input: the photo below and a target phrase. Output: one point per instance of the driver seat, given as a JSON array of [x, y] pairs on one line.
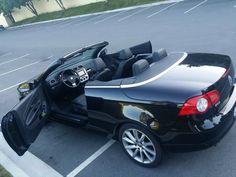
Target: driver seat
[[79, 104], [103, 73]]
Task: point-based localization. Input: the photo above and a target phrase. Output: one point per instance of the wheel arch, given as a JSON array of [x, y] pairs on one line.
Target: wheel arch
[[115, 134]]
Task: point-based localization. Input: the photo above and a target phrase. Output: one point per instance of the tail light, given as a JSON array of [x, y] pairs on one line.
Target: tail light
[[200, 104]]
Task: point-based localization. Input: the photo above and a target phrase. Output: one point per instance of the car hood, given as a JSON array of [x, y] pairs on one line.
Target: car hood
[[179, 77]]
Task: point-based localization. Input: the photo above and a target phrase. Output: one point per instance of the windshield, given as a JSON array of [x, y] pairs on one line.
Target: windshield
[[80, 55]]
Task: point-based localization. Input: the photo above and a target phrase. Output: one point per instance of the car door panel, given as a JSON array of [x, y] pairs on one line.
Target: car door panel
[[24, 122]]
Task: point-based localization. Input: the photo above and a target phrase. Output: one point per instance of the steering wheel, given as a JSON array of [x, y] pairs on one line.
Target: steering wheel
[[70, 78]]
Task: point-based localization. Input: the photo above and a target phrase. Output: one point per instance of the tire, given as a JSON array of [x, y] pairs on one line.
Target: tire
[[144, 148]]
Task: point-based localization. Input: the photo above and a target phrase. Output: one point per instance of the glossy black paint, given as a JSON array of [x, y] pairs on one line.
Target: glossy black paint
[[162, 99], [190, 78]]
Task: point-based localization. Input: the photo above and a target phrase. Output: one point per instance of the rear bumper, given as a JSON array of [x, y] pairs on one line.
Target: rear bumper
[[202, 140], [189, 141]]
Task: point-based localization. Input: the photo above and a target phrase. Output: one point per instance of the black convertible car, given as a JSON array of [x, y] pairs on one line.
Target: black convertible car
[[147, 100]]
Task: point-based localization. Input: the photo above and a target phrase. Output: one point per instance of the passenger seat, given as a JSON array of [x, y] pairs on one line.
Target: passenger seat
[[126, 60]]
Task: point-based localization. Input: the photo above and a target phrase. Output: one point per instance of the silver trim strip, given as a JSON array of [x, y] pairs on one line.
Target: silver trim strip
[[157, 76], [147, 81], [102, 86], [230, 103]]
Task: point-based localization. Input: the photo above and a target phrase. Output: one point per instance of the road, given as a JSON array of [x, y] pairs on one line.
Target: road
[[191, 25]]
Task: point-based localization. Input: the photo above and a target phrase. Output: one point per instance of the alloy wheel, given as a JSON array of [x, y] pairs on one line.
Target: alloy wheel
[[139, 146]]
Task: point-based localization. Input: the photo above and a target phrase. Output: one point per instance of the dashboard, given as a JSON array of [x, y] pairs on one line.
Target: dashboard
[[83, 74], [84, 69]]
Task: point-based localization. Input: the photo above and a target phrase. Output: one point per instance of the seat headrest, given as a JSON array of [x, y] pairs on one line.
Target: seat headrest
[[161, 53], [140, 66], [125, 54]]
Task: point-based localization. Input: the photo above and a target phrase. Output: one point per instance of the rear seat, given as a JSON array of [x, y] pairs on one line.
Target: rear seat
[[160, 54], [154, 57], [140, 66]]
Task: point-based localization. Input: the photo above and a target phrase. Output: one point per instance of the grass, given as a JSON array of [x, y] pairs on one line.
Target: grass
[[4, 173], [90, 8]]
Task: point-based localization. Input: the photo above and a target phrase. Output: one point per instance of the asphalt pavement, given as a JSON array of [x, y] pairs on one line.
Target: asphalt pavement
[[190, 25]]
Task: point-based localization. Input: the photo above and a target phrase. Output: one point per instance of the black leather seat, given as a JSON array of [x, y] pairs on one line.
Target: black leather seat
[[160, 54], [104, 75], [125, 61], [140, 66], [102, 72], [79, 104], [146, 56], [154, 57]]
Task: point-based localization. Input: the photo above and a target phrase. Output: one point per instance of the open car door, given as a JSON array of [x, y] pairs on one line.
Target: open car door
[[22, 125]]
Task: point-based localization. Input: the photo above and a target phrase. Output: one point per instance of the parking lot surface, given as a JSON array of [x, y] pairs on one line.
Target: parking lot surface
[[190, 25]]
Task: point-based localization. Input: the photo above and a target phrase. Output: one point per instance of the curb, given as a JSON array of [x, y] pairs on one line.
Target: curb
[[24, 166], [98, 13], [11, 167]]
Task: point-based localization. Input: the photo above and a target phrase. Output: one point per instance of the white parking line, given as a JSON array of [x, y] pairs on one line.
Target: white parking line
[[6, 54], [162, 10], [109, 17], [14, 59], [195, 6], [90, 19], [27, 165], [137, 12], [3, 74], [71, 22], [13, 86], [97, 13], [8, 72], [89, 160]]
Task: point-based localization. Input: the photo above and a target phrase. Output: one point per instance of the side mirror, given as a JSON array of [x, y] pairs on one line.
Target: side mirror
[[24, 89]]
